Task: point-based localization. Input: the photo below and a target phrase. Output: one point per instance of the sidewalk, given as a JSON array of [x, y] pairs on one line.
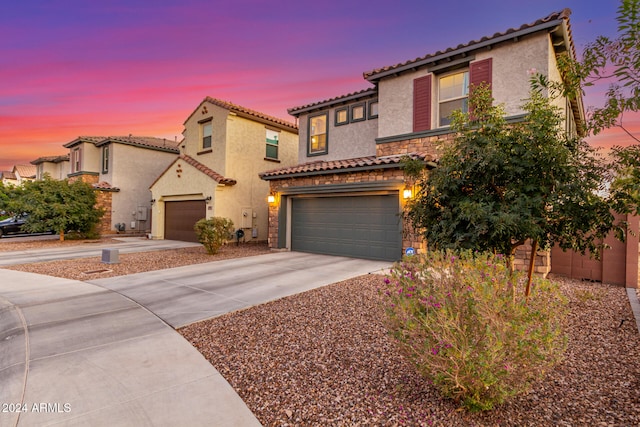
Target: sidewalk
[[75, 354]]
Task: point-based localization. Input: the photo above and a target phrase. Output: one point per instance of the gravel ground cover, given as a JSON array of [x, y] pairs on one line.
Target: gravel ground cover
[[93, 268], [323, 358]]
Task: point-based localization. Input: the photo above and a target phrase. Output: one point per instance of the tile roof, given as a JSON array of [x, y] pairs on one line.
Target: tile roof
[[353, 96], [248, 112], [138, 141], [102, 185], [345, 165], [207, 171], [52, 159], [8, 175], [199, 166], [25, 171], [547, 22]]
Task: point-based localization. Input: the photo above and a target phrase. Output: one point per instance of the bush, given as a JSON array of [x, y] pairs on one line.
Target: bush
[[461, 321], [213, 232]]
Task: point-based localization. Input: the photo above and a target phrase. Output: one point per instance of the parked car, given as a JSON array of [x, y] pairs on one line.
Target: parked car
[[13, 225]]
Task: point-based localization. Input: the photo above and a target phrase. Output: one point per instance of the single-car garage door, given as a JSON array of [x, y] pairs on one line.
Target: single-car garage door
[[180, 217], [356, 226]]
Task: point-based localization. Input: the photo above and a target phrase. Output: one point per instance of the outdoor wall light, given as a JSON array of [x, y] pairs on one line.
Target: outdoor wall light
[[207, 199], [407, 193], [271, 198], [153, 201]]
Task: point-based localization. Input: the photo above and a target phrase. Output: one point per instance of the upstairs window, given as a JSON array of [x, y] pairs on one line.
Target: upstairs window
[[105, 159], [207, 130], [75, 160], [453, 94], [272, 144], [342, 116], [358, 113], [318, 130]]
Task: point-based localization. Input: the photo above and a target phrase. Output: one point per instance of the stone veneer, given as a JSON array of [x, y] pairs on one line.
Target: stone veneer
[[103, 200]]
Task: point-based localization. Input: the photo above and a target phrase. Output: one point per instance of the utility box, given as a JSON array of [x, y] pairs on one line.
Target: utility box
[[247, 218], [110, 256], [141, 214]]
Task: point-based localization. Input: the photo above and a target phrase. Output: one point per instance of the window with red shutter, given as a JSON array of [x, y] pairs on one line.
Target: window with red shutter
[[480, 71], [422, 103]]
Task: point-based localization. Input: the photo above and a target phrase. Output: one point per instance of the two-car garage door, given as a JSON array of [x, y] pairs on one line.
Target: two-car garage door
[[367, 226]]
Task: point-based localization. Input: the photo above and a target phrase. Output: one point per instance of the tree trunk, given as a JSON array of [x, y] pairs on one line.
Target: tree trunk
[[62, 235], [532, 262]]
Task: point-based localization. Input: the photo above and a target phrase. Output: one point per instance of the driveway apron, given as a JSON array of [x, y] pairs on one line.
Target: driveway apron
[[75, 354], [188, 294]]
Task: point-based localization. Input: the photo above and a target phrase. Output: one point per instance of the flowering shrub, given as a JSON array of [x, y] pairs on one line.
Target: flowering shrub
[[213, 232], [460, 319]]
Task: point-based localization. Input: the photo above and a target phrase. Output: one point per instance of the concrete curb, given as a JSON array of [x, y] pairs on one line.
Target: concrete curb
[[635, 305]]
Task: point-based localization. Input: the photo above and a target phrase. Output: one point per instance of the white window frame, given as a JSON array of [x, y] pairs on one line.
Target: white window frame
[[439, 101]]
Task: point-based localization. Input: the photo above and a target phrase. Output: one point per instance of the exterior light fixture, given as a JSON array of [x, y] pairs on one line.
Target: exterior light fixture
[[153, 201], [208, 199], [407, 193], [271, 198]]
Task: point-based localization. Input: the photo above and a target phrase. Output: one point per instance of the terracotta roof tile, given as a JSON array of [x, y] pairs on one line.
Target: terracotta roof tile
[[25, 171], [8, 175], [207, 171], [556, 16], [345, 165], [102, 185], [138, 141], [249, 112], [52, 159]]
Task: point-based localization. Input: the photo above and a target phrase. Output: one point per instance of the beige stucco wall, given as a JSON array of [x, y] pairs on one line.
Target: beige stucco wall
[[510, 83], [132, 170], [90, 157], [344, 142], [181, 181], [57, 171], [214, 157]]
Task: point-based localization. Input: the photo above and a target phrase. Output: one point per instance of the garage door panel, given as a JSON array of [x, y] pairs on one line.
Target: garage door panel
[[180, 217], [358, 226]]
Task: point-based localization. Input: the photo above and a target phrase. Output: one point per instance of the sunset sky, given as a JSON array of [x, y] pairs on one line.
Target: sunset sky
[[77, 67]]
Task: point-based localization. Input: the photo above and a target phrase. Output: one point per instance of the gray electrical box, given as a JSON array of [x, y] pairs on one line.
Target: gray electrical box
[[110, 256]]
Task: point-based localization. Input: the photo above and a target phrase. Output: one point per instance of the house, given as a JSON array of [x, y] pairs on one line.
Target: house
[[121, 170], [346, 195], [9, 178], [57, 167], [225, 147]]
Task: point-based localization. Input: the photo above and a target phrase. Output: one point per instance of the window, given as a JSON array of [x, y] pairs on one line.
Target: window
[[357, 113], [105, 159], [453, 94], [75, 160], [318, 134], [272, 144], [342, 116], [373, 109], [207, 129]]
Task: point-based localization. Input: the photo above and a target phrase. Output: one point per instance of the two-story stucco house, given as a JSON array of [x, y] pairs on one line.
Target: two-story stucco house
[[57, 167], [225, 147], [121, 170], [346, 195]]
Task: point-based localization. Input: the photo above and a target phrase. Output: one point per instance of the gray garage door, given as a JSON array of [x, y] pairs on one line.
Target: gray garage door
[[355, 226], [180, 217]]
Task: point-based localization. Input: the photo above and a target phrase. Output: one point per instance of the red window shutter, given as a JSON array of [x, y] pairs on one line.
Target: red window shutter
[[422, 103], [479, 72]]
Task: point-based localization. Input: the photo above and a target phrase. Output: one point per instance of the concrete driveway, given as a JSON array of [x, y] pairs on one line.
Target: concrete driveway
[[188, 294], [77, 354]]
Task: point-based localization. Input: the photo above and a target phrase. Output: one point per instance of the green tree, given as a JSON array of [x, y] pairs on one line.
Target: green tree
[[499, 184], [59, 206]]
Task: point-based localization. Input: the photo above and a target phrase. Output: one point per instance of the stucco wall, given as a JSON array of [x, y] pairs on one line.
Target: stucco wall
[[132, 170], [90, 157], [344, 142], [510, 83], [215, 156]]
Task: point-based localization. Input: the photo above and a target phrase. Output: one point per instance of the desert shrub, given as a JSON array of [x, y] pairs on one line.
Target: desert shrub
[[461, 319], [213, 232]]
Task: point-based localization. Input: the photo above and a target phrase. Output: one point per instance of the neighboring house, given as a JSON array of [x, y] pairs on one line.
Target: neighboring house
[[9, 178], [56, 166], [347, 195], [225, 147], [121, 170], [24, 173]]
